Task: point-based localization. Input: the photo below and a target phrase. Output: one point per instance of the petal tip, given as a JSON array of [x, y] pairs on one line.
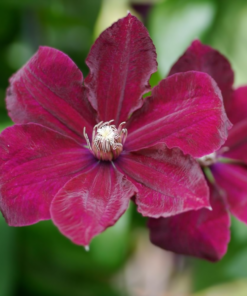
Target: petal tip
[[87, 248]]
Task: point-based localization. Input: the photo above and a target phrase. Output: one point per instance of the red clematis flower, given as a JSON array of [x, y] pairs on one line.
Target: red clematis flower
[[81, 150], [206, 233]]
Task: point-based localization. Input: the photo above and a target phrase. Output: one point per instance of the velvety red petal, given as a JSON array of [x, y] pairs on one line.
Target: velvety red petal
[[91, 202], [237, 142], [237, 107], [203, 58], [48, 90], [168, 182], [185, 111], [203, 233], [121, 62], [232, 179], [35, 162]]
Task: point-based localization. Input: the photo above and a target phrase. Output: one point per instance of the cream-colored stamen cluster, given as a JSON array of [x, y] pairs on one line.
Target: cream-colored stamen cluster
[[207, 160], [210, 159], [106, 137], [107, 140]]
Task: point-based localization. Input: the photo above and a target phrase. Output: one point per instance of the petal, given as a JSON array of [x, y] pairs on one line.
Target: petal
[[204, 233], [91, 202], [168, 182], [121, 62], [237, 107], [48, 90], [237, 142], [185, 111], [203, 58], [35, 162], [232, 179]]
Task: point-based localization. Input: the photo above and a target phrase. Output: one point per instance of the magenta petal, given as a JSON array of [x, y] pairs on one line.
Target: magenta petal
[[203, 58], [48, 90], [204, 233], [237, 142], [35, 163], [168, 182], [237, 107], [91, 202], [185, 111], [121, 62], [232, 179]]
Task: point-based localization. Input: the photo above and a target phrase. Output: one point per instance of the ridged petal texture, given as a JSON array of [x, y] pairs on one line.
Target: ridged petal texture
[[91, 202], [203, 233], [185, 111], [237, 140], [168, 182], [35, 162], [237, 109], [203, 58], [121, 62], [232, 180], [47, 172], [48, 90]]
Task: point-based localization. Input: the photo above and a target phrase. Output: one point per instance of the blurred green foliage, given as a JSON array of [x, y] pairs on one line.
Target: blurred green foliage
[[233, 265], [173, 24], [7, 259], [25, 25], [38, 260]]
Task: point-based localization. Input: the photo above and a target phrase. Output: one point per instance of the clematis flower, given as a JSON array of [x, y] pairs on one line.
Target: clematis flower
[[205, 233], [81, 149]]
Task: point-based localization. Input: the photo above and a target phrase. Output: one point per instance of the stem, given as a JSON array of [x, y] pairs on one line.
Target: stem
[[209, 175], [229, 160]]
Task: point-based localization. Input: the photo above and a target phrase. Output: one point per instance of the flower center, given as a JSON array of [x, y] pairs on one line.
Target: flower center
[[107, 140], [207, 160]]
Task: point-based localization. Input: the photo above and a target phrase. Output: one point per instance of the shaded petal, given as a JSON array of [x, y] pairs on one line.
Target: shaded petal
[[121, 62], [35, 162], [203, 233], [48, 90], [232, 179], [91, 202], [203, 58], [237, 142], [185, 111], [168, 182], [237, 107]]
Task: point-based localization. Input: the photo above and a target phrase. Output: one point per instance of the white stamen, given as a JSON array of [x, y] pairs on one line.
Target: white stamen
[[107, 140], [208, 159], [87, 139], [120, 127], [106, 137], [87, 248]]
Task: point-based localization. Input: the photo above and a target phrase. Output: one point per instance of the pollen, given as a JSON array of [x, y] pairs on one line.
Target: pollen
[[107, 140]]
